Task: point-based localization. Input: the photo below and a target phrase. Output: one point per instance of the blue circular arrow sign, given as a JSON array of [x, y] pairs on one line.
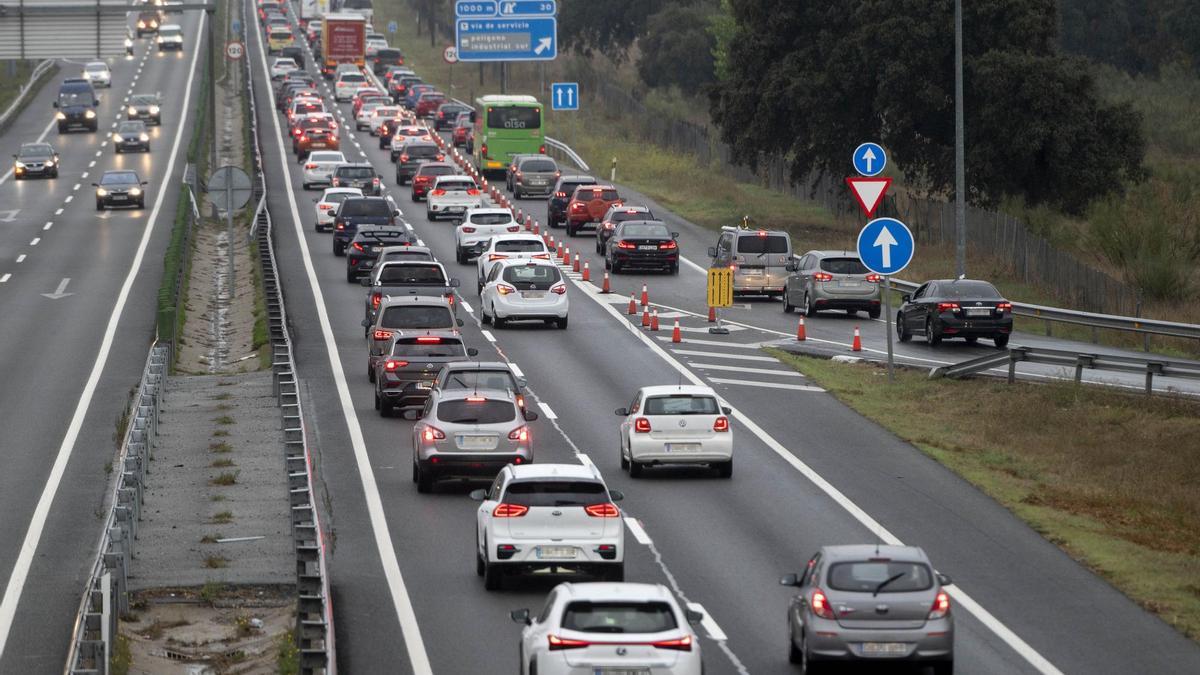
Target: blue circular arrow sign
[[869, 159], [885, 246]]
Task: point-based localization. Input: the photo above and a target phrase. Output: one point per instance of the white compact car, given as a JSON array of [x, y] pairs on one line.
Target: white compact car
[[406, 133], [374, 44], [281, 67], [346, 84], [548, 517], [519, 246], [595, 628], [672, 424], [362, 121], [170, 36], [452, 195], [382, 114], [524, 290], [328, 204], [98, 74], [477, 226], [318, 168]]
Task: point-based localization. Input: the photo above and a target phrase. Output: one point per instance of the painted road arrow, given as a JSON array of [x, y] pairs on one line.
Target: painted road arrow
[[9, 215], [59, 292], [869, 192]]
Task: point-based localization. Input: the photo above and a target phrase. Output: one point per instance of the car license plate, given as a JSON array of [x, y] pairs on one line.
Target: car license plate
[[316, 145], [621, 671], [476, 442], [555, 552], [979, 311], [885, 648], [119, 198], [649, 247], [533, 295], [848, 283], [456, 209], [681, 447], [424, 385], [751, 271]]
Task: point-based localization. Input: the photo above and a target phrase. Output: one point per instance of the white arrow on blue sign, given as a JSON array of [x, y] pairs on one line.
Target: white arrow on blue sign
[[392, 27], [886, 246], [869, 159], [564, 96]]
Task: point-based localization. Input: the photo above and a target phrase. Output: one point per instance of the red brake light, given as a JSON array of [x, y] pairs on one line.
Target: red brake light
[[560, 195], [376, 298], [392, 364], [542, 149], [429, 340], [505, 510], [493, 257], [578, 206], [626, 245], [476, 399], [356, 246], [437, 193], [375, 180], [668, 246], [441, 157], [505, 289], [404, 157], [822, 276], [820, 605], [383, 335], [557, 643], [541, 256], [514, 228], [874, 278], [641, 425], [762, 233], [468, 229], [605, 510], [326, 207], [683, 644], [947, 306], [721, 424], [1004, 306], [433, 434], [559, 289], [473, 192], [941, 606], [483, 149], [519, 434], [310, 165]]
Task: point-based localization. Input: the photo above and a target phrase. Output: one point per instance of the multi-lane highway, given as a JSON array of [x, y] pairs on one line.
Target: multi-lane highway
[[809, 471], [77, 297]]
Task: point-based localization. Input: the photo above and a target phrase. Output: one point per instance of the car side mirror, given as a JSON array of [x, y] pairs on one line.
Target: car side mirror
[[693, 617], [95, 185], [905, 298], [471, 351], [478, 495], [145, 182], [674, 235], [365, 282], [522, 382], [521, 616], [944, 579], [621, 412], [411, 414], [789, 580], [530, 416], [396, 212], [454, 283], [616, 495], [712, 251], [790, 266], [97, 101], [726, 410], [54, 104], [365, 323], [460, 323]]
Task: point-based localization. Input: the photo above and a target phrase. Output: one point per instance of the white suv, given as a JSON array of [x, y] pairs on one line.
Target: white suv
[[610, 628], [547, 517], [672, 424], [477, 226]]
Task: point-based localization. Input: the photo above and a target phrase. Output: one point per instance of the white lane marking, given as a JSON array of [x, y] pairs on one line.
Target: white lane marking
[[746, 369], [635, 528], [466, 306], [48, 225], [409, 628], [58, 212], [692, 265], [91, 163], [516, 370], [767, 385], [76, 187], [1014, 641], [710, 625], [37, 524], [717, 343], [21, 258], [4, 279], [98, 153], [587, 461], [487, 335], [8, 174], [718, 355], [408, 226], [35, 241], [68, 199], [85, 175], [550, 414]]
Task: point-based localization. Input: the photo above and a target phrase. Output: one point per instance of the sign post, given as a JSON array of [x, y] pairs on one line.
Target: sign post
[[720, 295], [885, 246]]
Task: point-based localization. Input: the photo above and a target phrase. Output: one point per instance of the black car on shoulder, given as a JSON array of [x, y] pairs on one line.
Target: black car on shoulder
[[556, 207], [642, 244], [35, 159], [955, 308], [120, 188], [357, 212], [131, 136], [368, 242]]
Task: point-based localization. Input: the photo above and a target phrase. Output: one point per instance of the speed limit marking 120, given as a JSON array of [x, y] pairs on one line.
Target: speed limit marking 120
[[234, 50], [450, 54]]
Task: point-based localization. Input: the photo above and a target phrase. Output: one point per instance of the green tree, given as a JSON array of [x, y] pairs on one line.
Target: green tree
[[677, 49], [605, 26], [809, 80]]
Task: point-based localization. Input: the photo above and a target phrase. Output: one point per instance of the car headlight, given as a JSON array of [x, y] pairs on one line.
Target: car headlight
[[132, 110], [154, 110], [118, 138], [101, 192], [19, 164], [51, 162], [160, 39], [135, 191], [144, 138], [61, 115], [91, 114]]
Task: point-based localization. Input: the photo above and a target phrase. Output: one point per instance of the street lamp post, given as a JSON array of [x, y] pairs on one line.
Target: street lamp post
[[960, 180]]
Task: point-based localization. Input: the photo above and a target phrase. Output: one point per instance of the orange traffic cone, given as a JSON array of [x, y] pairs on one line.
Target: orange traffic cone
[[520, 216], [645, 296], [857, 346], [587, 274], [632, 305], [565, 254], [575, 265], [675, 336], [551, 244], [654, 321], [800, 335], [606, 288], [712, 314], [645, 317], [536, 228]]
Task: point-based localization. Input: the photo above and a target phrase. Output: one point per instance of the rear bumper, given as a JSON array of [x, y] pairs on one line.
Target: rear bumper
[[532, 310], [405, 393], [525, 558], [956, 327], [933, 642], [465, 465], [655, 450], [646, 260], [846, 303]]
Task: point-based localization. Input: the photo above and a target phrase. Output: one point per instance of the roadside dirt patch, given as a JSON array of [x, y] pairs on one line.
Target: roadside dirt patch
[[218, 331]]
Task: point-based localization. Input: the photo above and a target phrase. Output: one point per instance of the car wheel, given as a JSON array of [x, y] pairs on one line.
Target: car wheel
[[902, 329], [787, 303], [479, 564], [943, 668], [572, 230], [398, 181], [616, 266], [635, 468], [371, 379], [724, 469], [116, 149], [385, 407], [607, 263], [484, 317], [492, 577], [808, 310], [931, 336], [429, 215], [141, 203], [338, 249], [807, 667], [873, 312], [377, 400], [599, 248], [971, 340], [306, 186], [459, 255], [794, 653], [561, 323], [1001, 341], [424, 480], [621, 456], [415, 198], [499, 322], [99, 206], [351, 277], [615, 573]]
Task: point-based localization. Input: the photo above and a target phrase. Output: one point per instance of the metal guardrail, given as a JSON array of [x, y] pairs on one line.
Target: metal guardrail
[[38, 70], [105, 597], [314, 630], [568, 152], [1150, 367]]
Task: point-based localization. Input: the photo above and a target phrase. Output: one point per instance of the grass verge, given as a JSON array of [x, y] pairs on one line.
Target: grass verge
[[1117, 493], [10, 87]]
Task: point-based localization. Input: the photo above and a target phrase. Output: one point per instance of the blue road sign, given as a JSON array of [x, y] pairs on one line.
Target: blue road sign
[[885, 246], [475, 8], [527, 8], [533, 39], [236, 27], [392, 27], [869, 159], [564, 96]]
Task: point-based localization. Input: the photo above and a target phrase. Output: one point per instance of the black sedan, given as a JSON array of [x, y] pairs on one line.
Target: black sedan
[[642, 244], [956, 308], [35, 159], [120, 188], [145, 107], [131, 136], [367, 243]]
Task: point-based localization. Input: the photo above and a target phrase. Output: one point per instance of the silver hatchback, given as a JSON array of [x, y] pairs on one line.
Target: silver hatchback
[[469, 433], [870, 603], [821, 280]]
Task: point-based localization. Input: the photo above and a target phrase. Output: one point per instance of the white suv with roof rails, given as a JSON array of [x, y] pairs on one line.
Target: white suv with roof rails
[[548, 517]]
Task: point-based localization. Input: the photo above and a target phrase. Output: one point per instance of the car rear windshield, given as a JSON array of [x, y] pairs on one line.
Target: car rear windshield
[[969, 289], [384, 54], [555, 493], [608, 195], [681, 404], [412, 274], [320, 156], [429, 346], [539, 166], [421, 150], [480, 379], [869, 577], [514, 117], [569, 187], [338, 197], [353, 77], [487, 411], [622, 216], [755, 244], [407, 255], [640, 230], [375, 236], [364, 207], [844, 266], [431, 96], [532, 277], [416, 316], [280, 34], [357, 172], [520, 246], [465, 184], [435, 170], [619, 617], [490, 218]]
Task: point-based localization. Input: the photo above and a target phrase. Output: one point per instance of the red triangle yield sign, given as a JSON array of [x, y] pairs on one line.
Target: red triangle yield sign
[[869, 192]]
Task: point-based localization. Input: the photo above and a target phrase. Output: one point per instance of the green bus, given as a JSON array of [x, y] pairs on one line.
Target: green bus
[[506, 126]]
